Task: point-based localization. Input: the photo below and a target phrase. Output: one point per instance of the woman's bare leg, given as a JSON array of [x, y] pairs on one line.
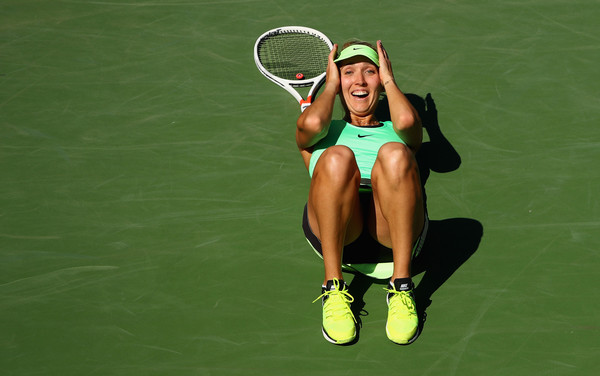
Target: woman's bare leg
[[398, 201], [334, 207]]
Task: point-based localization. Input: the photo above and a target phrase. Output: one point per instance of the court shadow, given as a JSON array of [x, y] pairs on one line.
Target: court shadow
[[450, 242]]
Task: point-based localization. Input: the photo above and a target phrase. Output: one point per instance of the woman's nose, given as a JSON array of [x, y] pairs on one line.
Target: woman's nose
[[360, 79]]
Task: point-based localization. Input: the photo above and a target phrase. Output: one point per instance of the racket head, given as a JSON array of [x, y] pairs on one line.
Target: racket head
[[293, 57]]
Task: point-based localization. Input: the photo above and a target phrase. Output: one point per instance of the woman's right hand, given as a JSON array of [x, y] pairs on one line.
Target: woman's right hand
[[332, 79]]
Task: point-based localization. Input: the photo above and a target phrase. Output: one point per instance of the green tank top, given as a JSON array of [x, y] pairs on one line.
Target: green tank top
[[363, 141]]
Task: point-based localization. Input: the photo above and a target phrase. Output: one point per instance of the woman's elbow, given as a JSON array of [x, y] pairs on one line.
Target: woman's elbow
[[311, 125], [308, 132], [407, 121]]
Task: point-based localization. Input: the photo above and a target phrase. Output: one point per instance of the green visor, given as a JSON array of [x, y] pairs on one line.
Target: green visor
[[358, 50]]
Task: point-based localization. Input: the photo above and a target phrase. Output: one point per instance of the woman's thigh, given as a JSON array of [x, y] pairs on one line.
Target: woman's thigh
[[333, 191], [399, 166]]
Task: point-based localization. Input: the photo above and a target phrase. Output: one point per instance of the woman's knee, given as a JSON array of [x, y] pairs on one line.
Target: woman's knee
[[338, 162], [396, 157]]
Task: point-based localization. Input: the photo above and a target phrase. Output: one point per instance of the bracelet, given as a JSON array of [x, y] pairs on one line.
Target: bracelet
[[388, 81]]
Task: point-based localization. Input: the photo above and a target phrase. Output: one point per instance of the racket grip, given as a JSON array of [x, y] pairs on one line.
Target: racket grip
[[305, 103]]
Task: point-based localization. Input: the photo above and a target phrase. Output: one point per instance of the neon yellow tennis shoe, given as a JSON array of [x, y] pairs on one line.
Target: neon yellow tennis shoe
[[403, 322], [339, 324]]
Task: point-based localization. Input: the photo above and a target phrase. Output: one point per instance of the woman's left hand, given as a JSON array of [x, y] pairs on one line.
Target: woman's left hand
[[386, 74]]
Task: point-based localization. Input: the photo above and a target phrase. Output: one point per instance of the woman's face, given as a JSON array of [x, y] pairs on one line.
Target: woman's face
[[360, 86]]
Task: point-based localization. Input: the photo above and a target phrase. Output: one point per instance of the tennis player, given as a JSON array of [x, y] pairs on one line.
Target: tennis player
[[364, 183]]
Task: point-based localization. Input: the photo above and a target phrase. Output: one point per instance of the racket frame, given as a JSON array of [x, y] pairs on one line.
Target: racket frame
[[291, 85]]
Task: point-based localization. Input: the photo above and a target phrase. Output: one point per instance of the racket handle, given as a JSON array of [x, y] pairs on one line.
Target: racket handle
[[305, 103]]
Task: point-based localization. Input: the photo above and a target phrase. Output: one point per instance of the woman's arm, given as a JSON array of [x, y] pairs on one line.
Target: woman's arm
[[313, 123], [405, 118]]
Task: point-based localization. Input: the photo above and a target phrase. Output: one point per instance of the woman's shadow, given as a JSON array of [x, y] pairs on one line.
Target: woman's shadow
[[449, 242]]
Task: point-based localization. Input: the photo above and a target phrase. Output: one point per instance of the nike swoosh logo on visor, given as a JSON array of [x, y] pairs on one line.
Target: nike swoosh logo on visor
[[364, 135]]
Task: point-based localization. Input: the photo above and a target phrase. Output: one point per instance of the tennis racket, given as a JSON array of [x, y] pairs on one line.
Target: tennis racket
[[294, 57]]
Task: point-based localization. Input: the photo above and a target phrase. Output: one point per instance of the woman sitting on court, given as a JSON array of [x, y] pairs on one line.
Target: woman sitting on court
[[345, 156]]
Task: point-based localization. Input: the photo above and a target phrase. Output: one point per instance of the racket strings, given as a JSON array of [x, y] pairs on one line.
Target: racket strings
[[286, 55]]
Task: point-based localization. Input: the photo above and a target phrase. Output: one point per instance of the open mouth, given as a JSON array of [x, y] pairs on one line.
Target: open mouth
[[360, 94]]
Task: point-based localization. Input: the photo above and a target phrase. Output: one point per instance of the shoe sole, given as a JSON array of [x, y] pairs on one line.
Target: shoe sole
[[340, 342], [413, 339]]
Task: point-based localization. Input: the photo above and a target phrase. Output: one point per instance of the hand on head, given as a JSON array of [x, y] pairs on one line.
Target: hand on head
[[333, 72], [385, 65]]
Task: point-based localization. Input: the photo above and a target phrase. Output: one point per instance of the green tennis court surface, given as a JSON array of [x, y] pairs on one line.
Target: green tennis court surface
[[151, 193]]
